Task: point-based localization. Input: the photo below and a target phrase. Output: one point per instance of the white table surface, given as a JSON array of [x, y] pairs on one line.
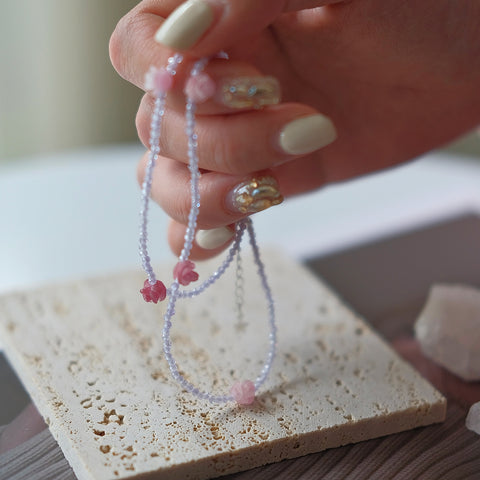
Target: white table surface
[[76, 213]]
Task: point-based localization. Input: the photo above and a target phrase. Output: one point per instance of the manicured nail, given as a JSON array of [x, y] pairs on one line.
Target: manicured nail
[[255, 195], [307, 134], [185, 25], [249, 92], [214, 238]]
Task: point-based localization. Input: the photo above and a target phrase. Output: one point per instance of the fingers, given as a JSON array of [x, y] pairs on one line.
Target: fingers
[[205, 27], [465, 393], [237, 86], [224, 198], [225, 75], [230, 146], [133, 50], [245, 142], [213, 237], [140, 38]]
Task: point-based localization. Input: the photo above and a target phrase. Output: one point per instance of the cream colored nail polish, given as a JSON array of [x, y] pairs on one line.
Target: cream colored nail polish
[[255, 195], [307, 134], [249, 92], [185, 25], [214, 238]]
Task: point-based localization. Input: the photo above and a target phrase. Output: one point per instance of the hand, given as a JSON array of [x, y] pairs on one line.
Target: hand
[[396, 78]]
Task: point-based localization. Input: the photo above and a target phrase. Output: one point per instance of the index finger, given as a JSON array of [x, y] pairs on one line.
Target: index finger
[[133, 51], [205, 27]]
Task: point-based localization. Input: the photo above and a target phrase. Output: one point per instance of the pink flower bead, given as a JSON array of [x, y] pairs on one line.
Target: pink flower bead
[[184, 273], [153, 293], [200, 88], [158, 81], [243, 392]]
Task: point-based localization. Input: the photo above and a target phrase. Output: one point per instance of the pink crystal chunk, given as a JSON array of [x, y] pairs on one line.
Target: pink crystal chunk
[[158, 81], [153, 293], [243, 392], [200, 88], [184, 272], [448, 329]]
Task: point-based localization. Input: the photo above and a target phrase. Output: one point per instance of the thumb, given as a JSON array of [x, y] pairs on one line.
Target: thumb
[[207, 26]]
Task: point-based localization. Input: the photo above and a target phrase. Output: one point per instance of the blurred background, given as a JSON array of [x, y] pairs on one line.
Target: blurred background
[[58, 90]]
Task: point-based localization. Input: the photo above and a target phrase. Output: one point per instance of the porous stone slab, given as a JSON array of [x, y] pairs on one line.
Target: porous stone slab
[[90, 354]]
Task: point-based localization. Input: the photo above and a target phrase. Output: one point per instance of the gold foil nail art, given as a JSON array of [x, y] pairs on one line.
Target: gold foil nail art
[[250, 92], [256, 195]]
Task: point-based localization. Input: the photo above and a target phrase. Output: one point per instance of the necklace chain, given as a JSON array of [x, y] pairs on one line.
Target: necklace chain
[[175, 292]]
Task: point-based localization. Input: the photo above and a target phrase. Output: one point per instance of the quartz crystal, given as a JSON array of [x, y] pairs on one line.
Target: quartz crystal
[[448, 329], [473, 418]]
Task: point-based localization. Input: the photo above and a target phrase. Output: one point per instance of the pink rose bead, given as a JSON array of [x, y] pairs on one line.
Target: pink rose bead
[[243, 392], [200, 88], [184, 273], [158, 81], [153, 293]]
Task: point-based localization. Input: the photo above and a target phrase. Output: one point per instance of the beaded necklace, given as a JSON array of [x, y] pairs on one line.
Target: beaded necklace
[[198, 88]]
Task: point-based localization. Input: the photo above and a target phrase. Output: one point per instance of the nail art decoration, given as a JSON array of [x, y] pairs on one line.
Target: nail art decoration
[[256, 194], [249, 92]]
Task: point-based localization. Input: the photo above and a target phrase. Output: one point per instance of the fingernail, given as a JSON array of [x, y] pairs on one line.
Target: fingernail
[[255, 195], [185, 25], [249, 92], [214, 238], [307, 134]]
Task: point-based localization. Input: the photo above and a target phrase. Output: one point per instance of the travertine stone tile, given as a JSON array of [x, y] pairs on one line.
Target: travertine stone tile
[[90, 354]]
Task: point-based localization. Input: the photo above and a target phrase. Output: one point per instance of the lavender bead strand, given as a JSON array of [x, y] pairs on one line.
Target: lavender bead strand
[[155, 128], [174, 292], [260, 380]]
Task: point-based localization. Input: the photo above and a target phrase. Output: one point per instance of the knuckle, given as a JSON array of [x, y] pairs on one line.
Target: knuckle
[[223, 153]]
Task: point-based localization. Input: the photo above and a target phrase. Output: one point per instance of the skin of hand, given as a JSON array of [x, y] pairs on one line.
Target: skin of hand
[[396, 78]]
